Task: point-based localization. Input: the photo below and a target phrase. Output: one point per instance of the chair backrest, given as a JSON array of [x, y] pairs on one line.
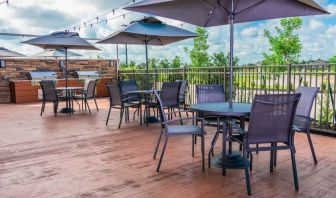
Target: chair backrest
[[170, 93], [210, 93], [271, 118], [183, 90], [308, 95], [128, 85], [115, 94], [91, 89], [163, 117], [86, 84], [49, 90]]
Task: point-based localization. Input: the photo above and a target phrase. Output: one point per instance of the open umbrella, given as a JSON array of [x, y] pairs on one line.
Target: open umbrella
[[62, 40], [207, 13], [8, 53], [148, 31], [55, 53]]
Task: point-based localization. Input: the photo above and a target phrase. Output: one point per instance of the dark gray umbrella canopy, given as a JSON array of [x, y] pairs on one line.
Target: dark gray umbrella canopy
[[62, 40], [207, 13], [149, 29], [58, 40], [55, 53], [8, 53]]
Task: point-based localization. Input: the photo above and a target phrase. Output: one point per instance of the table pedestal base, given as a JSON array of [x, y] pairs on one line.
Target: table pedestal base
[[67, 110], [152, 119], [234, 161]]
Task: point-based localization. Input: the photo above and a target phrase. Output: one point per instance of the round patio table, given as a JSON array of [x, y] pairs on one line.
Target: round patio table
[[68, 91], [145, 95], [241, 110]]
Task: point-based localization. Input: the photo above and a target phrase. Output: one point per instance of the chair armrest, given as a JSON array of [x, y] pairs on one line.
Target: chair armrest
[[184, 111], [186, 118], [235, 125], [125, 99]]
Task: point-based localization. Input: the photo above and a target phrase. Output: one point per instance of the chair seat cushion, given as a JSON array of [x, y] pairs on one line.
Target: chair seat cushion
[[184, 130]]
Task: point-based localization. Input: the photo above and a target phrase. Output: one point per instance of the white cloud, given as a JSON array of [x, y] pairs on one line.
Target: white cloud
[[249, 32], [315, 24]]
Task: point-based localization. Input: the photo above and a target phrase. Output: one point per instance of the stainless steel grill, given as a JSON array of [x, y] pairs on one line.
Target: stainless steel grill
[[87, 74], [42, 75]]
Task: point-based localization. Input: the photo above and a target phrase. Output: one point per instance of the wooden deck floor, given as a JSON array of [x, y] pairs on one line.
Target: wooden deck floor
[[79, 156]]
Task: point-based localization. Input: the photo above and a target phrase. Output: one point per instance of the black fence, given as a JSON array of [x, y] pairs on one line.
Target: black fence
[[251, 80]]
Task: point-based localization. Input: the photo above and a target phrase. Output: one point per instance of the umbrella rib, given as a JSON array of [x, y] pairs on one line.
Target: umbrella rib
[[221, 5], [211, 13], [250, 7]]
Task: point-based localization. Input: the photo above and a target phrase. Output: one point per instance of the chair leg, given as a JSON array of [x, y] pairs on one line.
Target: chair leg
[[311, 146], [88, 105], [157, 145], [202, 151], [96, 104], [211, 151], [179, 111], [251, 161], [275, 156], [224, 149], [121, 117], [247, 174], [108, 116], [193, 146], [56, 108], [162, 153], [296, 182], [271, 159], [42, 108], [257, 146]]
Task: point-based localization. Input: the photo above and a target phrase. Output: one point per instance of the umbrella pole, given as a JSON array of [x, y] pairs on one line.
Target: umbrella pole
[[147, 76], [66, 66], [231, 55]]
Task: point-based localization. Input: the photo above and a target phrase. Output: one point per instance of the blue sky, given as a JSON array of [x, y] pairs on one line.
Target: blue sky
[[318, 34]]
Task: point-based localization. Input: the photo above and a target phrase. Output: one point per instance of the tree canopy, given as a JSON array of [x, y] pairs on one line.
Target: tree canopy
[[285, 43], [199, 56]]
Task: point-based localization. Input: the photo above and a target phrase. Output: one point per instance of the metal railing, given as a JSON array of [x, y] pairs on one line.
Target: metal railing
[[251, 80]]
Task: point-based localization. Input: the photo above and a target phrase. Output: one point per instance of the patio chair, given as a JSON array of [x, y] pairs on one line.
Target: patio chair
[[302, 116], [118, 101], [271, 123], [211, 94], [170, 98], [130, 85], [50, 94], [87, 94], [183, 93], [168, 130]]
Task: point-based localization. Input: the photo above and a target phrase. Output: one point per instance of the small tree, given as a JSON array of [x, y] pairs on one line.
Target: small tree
[[199, 56], [176, 62], [164, 63], [285, 44], [219, 59]]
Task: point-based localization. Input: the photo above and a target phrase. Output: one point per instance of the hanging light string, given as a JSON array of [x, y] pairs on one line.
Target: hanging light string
[[4, 2], [103, 18]]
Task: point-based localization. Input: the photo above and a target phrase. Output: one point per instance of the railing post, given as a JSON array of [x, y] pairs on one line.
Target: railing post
[[184, 73], [289, 77], [155, 77], [224, 81]]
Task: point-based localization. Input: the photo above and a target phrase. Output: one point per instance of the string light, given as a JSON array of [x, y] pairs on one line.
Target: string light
[[4, 2], [102, 18]]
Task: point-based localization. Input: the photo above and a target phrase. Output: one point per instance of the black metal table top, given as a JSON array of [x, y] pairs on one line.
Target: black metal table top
[[223, 109]]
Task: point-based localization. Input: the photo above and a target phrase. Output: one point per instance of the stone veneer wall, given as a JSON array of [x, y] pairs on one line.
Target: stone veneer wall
[[17, 69]]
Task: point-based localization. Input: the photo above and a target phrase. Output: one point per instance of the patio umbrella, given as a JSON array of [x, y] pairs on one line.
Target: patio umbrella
[[56, 53], [8, 53], [148, 31], [207, 13], [62, 40]]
